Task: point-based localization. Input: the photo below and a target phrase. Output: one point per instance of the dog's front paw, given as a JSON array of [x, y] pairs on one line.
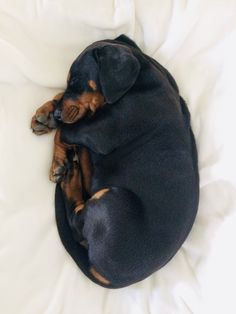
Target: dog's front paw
[[39, 128], [43, 121], [58, 170]]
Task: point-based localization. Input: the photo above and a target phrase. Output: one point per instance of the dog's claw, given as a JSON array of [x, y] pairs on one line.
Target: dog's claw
[[39, 128], [40, 132]]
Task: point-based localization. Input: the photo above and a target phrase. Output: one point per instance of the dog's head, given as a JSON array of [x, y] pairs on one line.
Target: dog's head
[[101, 74]]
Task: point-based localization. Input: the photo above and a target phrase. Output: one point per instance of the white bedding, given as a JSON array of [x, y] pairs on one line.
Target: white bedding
[[196, 41]]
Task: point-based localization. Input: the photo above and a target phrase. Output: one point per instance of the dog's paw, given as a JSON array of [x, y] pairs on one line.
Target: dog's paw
[[39, 128], [58, 171], [43, 121]]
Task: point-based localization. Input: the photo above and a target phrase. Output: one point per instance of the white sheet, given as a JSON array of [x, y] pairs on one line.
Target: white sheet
[[196, 41]]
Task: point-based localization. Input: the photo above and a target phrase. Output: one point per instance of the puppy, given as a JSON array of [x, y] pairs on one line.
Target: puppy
[[125, 163]]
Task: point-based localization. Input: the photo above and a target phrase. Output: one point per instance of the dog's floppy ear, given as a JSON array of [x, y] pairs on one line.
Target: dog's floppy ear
[[118, 71]]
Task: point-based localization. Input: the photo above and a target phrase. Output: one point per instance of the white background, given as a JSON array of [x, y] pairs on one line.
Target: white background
[[39, 39]]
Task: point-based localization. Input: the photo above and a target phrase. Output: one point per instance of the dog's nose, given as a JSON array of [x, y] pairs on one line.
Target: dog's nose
[[57, 114]]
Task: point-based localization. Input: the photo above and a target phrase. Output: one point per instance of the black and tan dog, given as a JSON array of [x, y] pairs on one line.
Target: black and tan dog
[[125, 162]]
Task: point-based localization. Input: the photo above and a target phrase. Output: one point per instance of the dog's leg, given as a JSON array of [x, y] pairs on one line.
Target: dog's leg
[[59, 161], [73, 189], [73, 197], [43, 121], [107, 131], [73, 192]]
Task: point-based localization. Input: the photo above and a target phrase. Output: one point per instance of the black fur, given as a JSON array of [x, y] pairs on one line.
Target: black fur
[[143, 150]]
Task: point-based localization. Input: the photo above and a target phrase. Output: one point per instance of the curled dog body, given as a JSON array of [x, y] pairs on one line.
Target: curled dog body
[[127, 175]]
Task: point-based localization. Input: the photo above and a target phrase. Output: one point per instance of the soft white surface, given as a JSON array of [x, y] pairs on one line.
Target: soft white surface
[[196, 41]]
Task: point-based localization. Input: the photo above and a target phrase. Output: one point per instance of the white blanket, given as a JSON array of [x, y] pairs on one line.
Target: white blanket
[[196, 41]]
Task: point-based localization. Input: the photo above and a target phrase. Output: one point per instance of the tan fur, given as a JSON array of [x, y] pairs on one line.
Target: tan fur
[[75, 109], [44, 112], [92, 84], [99, 277], [99, 194], [58, 96], [73, 190], [48, 106], [79, 207], [59, 155]]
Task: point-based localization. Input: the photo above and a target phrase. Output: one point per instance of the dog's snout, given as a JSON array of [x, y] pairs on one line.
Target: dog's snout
[[57, 114]]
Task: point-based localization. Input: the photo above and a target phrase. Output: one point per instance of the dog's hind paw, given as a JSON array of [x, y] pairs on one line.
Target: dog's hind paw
[[57, 172]]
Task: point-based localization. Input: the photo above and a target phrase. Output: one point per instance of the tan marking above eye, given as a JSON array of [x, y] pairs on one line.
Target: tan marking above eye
[[99, 194], [99, 277], [92, 84]]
